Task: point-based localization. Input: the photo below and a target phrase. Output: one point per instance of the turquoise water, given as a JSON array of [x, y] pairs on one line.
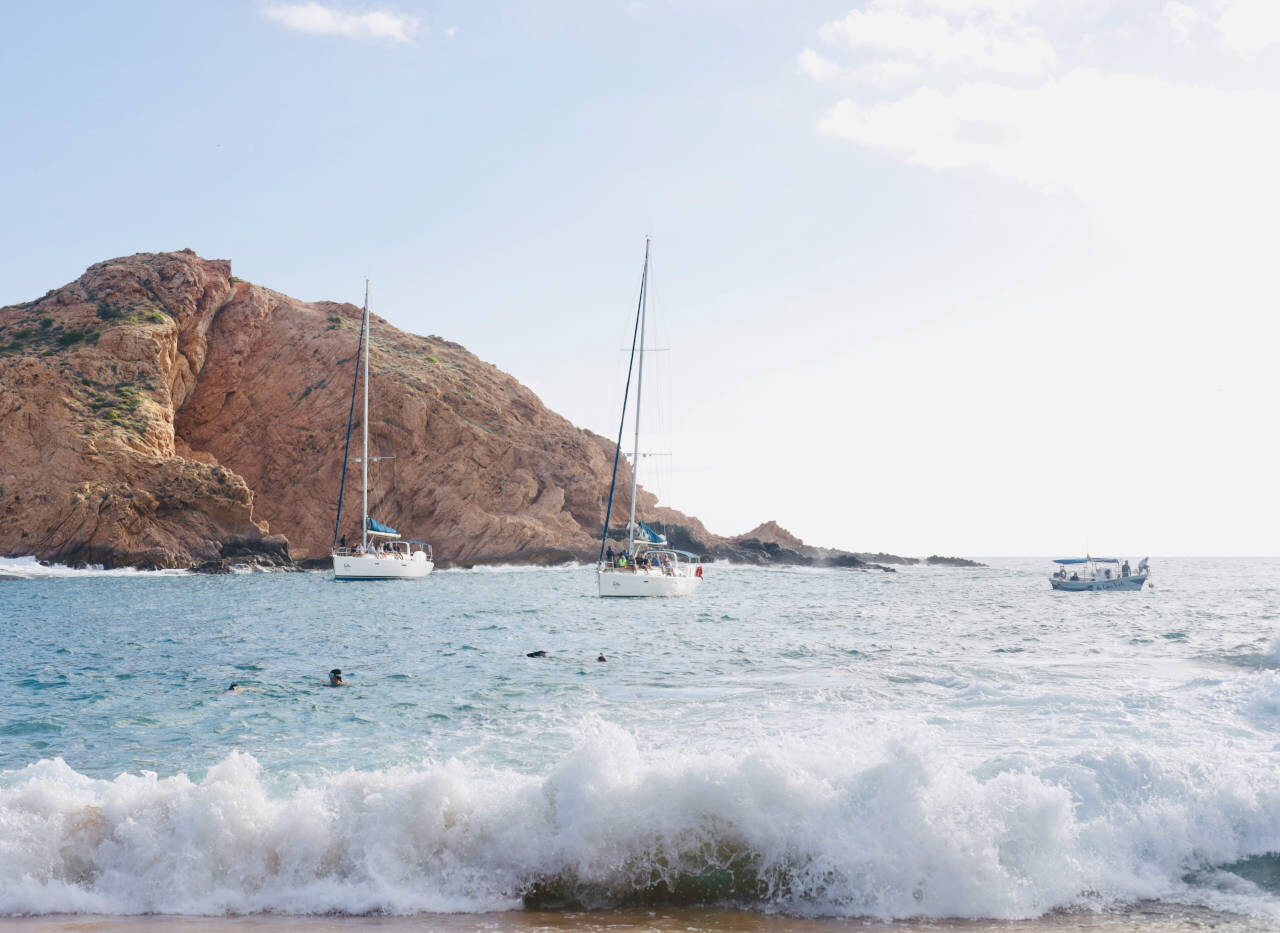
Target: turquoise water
[[935, 742]]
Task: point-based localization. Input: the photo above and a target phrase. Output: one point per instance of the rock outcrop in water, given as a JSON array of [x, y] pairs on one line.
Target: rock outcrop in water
[[159, 412], [935, 560], [770, 543]]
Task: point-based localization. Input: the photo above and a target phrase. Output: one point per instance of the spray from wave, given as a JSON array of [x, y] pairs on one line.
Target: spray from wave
[[28, 568], [892, 831]]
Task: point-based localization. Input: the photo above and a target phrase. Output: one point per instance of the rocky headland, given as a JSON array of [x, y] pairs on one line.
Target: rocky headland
[[159, 412]]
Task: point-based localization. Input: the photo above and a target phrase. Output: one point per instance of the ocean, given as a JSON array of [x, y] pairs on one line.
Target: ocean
[[788, 749]]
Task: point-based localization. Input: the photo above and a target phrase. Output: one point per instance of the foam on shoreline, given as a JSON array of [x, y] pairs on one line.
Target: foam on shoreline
[[29, 568], [888, 830]]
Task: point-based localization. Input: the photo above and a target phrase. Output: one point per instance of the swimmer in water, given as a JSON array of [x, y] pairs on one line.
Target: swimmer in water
[[335, 678], [602, 658], [234, 688]]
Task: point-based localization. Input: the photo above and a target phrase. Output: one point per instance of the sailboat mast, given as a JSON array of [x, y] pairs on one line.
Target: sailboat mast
[[635, 458], [364, 461]]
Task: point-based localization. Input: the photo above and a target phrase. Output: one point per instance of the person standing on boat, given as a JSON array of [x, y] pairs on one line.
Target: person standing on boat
[[608, 555], [1124, 569]]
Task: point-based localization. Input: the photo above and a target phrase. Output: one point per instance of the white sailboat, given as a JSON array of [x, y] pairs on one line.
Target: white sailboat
[[382, 553], [648, 567]]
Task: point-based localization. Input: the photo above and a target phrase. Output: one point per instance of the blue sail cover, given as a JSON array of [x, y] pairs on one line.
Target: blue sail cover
[[375, 525], [648, 534]]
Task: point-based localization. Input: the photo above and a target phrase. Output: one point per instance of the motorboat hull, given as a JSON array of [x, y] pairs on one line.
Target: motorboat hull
[[620, 582], [375, 567], [1134, 582]]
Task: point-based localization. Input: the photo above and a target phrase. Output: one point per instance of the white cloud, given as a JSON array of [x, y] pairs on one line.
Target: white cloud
[[1249, 26], [1168, 159], [881, 74], [318, 19], [1181, 18], [1157, 151], [1002, 8], [822, 70], [989, 45]]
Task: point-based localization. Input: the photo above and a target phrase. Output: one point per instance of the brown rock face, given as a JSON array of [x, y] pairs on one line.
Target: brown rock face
[[480, 467], [90, 376], [771, 533], [158, 412]]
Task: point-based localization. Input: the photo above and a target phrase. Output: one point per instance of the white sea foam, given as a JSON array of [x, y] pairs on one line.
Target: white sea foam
[[30, 568], [883, 827], [514, 568], [1264, 699]]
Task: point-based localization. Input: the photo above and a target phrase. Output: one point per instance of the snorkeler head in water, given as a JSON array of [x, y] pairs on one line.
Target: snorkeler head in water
[[335, 678]]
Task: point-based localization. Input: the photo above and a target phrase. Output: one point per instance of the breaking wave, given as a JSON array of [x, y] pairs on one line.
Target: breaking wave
[[28, 568], [893, 829]]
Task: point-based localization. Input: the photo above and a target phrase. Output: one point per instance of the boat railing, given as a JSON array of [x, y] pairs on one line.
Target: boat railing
[[368, 552], [403, 552], [675, 568]]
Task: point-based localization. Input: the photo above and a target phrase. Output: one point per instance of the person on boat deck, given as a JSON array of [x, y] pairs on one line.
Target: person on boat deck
[[1107, 573], [622, 561], [359, 550], [608, 554], [1124, 569], [1075, 576]]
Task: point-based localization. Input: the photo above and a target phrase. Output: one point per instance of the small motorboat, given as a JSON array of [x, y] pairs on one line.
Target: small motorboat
[[1097, 573]]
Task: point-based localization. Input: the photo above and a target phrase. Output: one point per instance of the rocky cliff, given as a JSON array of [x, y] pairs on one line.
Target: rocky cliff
[[159, 412], [91, 376]]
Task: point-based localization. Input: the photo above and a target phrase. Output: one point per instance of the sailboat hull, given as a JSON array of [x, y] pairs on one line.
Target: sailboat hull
[[618, 582], [370, 567]]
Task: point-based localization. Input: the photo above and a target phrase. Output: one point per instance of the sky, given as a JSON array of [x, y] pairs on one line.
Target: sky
[[930, 276]]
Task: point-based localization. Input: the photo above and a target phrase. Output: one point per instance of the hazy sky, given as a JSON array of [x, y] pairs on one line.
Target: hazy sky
[[955, 276]]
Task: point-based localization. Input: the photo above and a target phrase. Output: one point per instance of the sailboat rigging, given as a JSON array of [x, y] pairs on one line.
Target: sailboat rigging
[[648, 567], [382, 553]]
